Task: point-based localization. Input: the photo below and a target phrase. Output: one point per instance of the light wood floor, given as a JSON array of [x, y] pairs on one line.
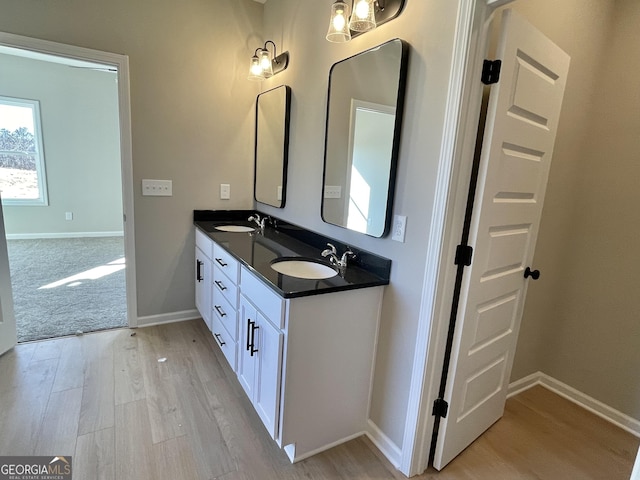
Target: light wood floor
[[105, 399]]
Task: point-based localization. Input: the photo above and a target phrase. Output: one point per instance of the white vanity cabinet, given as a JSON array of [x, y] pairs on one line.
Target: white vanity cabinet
[[204, 266], [259, 363], [224, 303], [311, 376], [305, 363]]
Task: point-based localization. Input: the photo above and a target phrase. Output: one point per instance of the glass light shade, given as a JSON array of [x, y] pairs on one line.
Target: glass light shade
[[363, 18], [265, 63], [338, 25], [255, 70]]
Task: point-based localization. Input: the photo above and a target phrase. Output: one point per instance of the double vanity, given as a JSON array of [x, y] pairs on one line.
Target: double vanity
[[296, 313], [302, 342]]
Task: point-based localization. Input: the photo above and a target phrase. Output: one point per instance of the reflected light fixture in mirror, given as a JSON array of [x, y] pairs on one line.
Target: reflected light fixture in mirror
[[264, 65], [366, 15]]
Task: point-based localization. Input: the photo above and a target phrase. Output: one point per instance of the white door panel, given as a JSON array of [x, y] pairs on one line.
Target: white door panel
[[521, 124], [8, 337]]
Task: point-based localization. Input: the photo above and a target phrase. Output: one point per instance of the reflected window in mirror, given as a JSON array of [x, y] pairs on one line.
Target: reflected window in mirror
[[364, 117], [272, 146]]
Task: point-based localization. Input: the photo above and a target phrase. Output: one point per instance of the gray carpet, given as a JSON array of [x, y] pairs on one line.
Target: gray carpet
[[61, 286]]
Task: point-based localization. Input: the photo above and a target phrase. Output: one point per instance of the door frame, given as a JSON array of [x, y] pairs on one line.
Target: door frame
[[121, 62], [464, 100]]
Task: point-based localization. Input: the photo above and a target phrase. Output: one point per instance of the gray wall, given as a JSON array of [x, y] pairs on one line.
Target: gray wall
[[191, 112], [79, 115], [581, 323]]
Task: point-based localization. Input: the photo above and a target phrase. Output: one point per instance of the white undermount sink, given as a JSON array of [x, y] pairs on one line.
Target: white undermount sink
[[234, 228], [307, 268]]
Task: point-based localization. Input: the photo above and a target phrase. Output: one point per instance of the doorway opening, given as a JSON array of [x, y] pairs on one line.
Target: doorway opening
[[71, 251], [587, 162]]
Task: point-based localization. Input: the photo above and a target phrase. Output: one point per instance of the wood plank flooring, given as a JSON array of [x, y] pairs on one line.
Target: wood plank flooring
[[105, 399]]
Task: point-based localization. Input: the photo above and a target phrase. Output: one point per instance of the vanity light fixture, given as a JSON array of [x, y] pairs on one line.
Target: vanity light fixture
[[264, 64], [366, 15]]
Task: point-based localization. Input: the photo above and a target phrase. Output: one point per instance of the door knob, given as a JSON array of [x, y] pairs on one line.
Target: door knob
[[534, 274]]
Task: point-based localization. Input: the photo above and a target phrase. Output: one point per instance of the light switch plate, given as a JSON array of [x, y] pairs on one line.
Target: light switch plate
[[332, 191], [399, 226], [225, 191], [157, 188]]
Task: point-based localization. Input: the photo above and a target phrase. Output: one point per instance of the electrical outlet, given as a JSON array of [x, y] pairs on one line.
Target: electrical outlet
[[398, 230], [332, 191], [225, 191], [157, 188], [68, 215]]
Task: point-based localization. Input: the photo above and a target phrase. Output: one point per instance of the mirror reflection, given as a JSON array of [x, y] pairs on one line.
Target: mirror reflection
[[364, 114], [272, 146]]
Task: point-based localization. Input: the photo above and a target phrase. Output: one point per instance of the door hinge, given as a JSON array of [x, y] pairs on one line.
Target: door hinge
[[440, 408], [463, 255], [491, 71]]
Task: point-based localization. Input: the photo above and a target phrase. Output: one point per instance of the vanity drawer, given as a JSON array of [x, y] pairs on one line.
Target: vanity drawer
[[226, 263], [266, 300], [224, 341], [204, 243], [222, 284], [226, 313]]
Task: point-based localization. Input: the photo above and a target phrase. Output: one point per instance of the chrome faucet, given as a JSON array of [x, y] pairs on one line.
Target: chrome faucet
[[258, 221], [332, 254]]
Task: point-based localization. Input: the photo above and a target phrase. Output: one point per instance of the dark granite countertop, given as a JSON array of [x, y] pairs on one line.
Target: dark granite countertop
[[256, 250]]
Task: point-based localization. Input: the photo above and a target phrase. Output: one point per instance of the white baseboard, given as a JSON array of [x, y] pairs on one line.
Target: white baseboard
[[523, 384], [583, 400], [389, 449], [37, 236], [159, 319], [290, 450]]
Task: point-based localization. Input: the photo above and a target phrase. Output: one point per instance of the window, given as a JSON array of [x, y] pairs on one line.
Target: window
[[22, 173]]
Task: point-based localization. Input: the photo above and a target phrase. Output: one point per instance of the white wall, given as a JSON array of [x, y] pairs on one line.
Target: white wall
[[79, 115]]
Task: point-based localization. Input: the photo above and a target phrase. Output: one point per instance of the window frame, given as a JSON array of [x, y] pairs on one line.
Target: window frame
[[43, 197]]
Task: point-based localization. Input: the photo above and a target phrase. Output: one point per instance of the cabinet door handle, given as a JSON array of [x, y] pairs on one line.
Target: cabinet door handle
[[221, 262], [220, 342], [249, 323], [220, 285], [198, 274], [253, 350], [220, 311]]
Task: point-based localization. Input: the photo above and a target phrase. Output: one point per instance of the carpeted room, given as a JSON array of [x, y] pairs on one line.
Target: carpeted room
[[66, 286], [64, 220]]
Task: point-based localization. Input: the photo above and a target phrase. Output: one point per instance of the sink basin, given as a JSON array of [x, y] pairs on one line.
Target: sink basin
[[308, 268], [234, 228]]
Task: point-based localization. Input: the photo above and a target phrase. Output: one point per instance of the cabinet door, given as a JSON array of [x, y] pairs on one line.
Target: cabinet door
[[204, 270], [247, 358], [268, 343]]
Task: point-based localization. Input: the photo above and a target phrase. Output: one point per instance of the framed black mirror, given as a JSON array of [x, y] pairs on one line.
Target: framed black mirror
[[272, 146], [364, 119]]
